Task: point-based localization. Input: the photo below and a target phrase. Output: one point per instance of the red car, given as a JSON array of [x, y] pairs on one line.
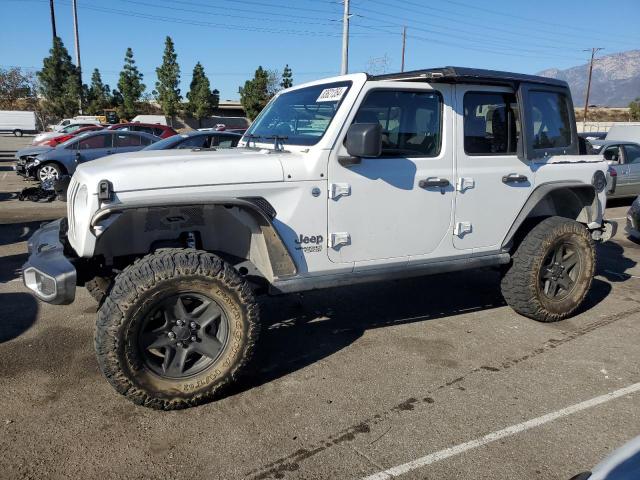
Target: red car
[[156, 129], [55, 141]]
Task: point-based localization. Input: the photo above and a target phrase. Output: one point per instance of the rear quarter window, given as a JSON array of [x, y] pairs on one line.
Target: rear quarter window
[[549, 121]]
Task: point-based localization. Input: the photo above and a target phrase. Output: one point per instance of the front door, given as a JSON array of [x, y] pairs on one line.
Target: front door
[[399, 204], [492, 183]]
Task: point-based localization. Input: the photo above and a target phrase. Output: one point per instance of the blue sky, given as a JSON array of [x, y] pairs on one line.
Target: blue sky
[[232, 37]]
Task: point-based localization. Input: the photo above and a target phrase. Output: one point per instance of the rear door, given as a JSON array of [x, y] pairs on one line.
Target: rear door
[[128, 142], [492, 183], [614, 155]]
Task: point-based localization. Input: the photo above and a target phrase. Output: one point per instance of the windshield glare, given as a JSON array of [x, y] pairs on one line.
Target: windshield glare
[[165, 143], [299, 117]]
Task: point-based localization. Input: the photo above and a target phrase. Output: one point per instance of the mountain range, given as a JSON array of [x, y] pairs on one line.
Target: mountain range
[[615, 81]]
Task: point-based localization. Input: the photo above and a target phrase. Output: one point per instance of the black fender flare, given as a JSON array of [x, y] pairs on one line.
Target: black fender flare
[[544, 190], [260, 209]]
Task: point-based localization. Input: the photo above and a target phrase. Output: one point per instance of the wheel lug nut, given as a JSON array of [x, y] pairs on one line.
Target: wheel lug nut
[[180, 344], [193, 325], [179, 323], [194, 338], [171, 335]]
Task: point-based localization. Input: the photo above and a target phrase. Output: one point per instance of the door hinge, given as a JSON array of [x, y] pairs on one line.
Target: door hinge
[[339, 238], [337, 190], [462, 228], [465, 183]]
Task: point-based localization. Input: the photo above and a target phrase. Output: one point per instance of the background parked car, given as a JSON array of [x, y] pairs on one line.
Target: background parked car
[[197, 139], [624, 159], [55, 141], [72, 127], [161, 131], [17, 122], [63, 159]]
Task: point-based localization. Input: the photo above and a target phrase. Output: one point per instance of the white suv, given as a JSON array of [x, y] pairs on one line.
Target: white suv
[[344, 180]]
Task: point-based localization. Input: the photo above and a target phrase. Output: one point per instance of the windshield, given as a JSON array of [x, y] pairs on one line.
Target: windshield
[[299, 117], [165, 143]]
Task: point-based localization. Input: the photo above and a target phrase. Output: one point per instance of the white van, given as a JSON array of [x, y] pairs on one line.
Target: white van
[[17, 122], [88, 119], [155, 119]]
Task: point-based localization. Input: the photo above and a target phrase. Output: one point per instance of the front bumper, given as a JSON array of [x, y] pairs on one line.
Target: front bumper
[[49, 273], [24, 169]]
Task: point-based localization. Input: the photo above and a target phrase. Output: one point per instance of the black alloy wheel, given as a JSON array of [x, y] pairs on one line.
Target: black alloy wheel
[[560, 270], [183, 335]]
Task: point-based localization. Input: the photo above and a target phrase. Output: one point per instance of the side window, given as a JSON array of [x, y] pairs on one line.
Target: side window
[[96, 141], [411, 121], [227, 142], [612, 153], [550, 122], [632, 154], [125, 140], [491, 123], [145, 141], [145, 130], [198, 141], [157, 132]]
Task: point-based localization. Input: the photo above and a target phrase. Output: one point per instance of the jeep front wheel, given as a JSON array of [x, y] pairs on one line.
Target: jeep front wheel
[[551, 270], [176, 328]]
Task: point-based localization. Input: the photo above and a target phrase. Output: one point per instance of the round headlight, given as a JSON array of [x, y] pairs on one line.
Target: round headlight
[[599, 180]]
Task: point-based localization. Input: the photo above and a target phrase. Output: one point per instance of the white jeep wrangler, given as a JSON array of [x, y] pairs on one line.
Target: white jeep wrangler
[[345, 180]]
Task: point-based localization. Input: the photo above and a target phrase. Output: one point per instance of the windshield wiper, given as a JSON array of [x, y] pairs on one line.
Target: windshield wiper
[[278, 142]]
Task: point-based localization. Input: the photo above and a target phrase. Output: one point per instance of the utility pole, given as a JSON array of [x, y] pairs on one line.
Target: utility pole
[[586, 100], [404, 44], [53, 19], [345, 39], [75, 28]]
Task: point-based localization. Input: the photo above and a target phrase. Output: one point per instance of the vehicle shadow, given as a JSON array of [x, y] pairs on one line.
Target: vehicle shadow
[[11, 266], [298, 331], [612, 263], [8, 196], [619, 202], [18, 312], [18, 232], [6, 168]]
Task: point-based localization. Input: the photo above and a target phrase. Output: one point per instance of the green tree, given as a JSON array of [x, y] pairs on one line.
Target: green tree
[[287, 77], [130, 86], [255, 94], [202, 101], [60, 85], [98, 94], [634, 109], [167, 92], [16, 87]]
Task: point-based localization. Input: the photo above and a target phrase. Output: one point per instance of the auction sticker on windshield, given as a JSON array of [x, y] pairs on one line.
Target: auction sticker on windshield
[[331, 94]]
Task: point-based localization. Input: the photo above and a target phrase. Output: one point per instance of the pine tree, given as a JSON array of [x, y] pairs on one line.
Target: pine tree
[[167, 92], [254, 95], [97, 95], [59, 82], [130, 86], [287, 77], [202, 100]]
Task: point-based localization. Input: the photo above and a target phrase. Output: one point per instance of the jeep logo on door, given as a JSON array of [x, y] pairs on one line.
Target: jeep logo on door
[[309, 244]]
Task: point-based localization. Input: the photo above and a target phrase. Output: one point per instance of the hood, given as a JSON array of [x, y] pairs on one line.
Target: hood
[[146, 170], [45, 136], [23, 152]]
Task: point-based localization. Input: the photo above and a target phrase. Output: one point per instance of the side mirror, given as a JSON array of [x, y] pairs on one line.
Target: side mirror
[[77, 157], [364, 140]]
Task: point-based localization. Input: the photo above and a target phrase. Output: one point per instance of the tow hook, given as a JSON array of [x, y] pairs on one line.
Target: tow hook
[[604, 232]]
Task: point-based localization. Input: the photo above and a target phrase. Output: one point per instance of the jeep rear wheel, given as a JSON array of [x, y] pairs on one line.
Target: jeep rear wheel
[[551, 270], [176, 328]]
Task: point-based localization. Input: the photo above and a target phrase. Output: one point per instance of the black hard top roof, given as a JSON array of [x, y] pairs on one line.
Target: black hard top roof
[[468, 75]]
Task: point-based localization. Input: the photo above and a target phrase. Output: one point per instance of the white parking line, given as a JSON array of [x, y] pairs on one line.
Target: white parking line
[[505, 432], [619, 218]]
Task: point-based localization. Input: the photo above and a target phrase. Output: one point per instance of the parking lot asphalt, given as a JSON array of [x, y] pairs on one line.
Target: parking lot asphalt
[[347, 382]]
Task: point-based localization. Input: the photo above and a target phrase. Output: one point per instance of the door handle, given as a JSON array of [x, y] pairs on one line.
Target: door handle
[[514, 178], [109, 152], [434, 182]]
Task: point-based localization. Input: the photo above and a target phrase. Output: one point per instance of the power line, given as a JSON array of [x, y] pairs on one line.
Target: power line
[[422, 10]]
